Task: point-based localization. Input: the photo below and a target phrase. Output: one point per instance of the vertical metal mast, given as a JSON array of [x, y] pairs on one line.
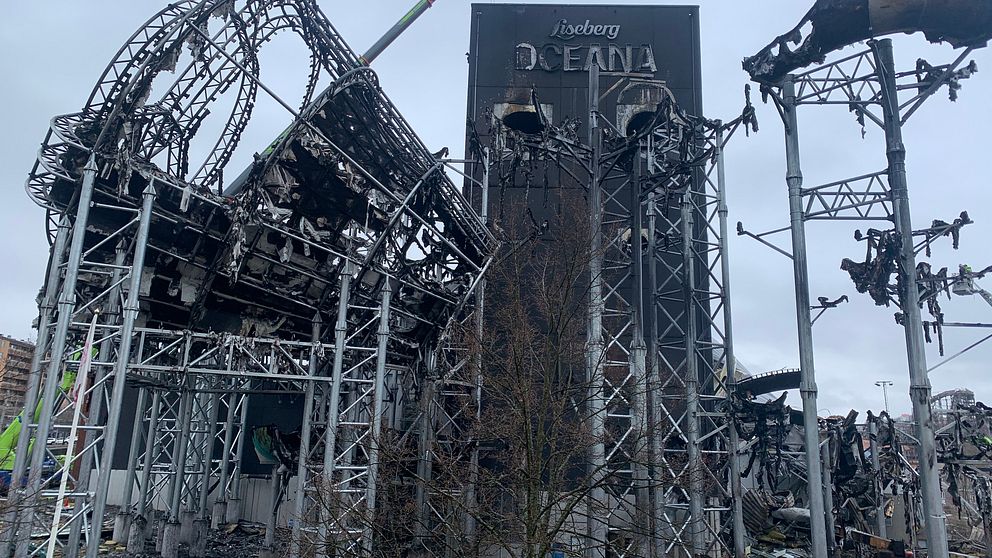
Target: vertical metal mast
[[597, 527], [375, 419], [794, 178], [919, 389], [638, 362], [733, 440], [692, 403], [131, 309]]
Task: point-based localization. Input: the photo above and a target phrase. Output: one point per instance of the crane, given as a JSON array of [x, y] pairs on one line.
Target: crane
[[964, 284]]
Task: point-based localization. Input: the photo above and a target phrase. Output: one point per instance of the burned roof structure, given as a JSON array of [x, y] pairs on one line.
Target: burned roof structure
[[833, 24], [335, 268], [339, 257]]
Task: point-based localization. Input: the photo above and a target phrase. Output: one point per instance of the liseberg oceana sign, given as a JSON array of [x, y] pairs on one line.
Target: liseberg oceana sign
[[611, 57]]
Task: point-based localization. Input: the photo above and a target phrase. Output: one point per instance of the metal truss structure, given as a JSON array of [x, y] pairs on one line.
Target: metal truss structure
[[664, 474], [963, 437], [331, 268], [869, 85]]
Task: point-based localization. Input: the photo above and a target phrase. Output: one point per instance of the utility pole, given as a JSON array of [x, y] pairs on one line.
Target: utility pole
[[884, 384]]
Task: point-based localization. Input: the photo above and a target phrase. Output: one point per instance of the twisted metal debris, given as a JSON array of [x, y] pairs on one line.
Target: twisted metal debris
[[338, 258]]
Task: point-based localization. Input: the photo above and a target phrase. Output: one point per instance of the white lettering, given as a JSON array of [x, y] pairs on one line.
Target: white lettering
[[645, 60], [595, 56], [572, 61], [578, 58], [526, 56], [625, 57], [546, 64], [562, 30]]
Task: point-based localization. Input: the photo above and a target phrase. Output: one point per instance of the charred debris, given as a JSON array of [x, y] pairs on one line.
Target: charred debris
[[337, 266]]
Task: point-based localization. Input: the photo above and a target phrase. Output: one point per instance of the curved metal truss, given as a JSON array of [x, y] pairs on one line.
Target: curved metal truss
[[331, 267]]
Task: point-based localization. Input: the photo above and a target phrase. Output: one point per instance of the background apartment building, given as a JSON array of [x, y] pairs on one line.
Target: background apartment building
[[15, 364]]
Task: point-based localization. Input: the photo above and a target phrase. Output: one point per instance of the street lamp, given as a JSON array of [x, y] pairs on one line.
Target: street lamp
[[884, 384]]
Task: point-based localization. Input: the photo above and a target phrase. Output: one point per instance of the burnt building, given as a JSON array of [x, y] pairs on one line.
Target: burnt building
[[515, 47], [539, 76], [529, 72], [518, 50]]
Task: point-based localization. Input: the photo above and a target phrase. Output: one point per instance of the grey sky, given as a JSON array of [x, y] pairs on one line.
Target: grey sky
[[54, 50]]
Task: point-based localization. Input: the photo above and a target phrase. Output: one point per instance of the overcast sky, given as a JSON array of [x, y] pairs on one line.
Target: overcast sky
[[52, 51]]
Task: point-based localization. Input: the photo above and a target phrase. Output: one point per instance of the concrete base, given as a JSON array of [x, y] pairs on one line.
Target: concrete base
[[198, 548], [160, 534], [267, 552], [137, 536], [122, 522], [186, 519], [170, 540], [234, 510], [219, 515]]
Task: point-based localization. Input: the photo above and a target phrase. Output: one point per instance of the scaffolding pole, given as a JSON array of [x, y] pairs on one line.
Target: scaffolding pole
[[808, 391], [596, 506], [919, 388], [697, 518], [730, 366]]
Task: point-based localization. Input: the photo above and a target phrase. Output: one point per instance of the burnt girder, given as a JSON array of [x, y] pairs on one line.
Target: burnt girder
[[833, 24], [339, 257], [300, 196]]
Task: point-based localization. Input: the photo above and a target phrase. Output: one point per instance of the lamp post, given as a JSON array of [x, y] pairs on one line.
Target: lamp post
[[884, 384]]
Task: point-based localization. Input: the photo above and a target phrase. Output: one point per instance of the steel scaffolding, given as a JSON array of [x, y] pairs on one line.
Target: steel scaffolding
[[333, 268], [868, 83], [663, 471]]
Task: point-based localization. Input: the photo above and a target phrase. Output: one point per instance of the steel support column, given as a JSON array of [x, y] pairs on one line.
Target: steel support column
[[471, 497], [306, 432], [122, 520], [47, 311], [657, 403], [66, 306], [909, 298], [597, 527], [638, 364], [375, 443], [170, 538], [794, 178], [234, 511], [740, 548], [131, 310], [139, 520], [220, 504], [828, 494], [333, 416], [697, 529], [876, 479]]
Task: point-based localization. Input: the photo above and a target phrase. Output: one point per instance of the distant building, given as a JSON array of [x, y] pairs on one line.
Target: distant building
[[15, 365]]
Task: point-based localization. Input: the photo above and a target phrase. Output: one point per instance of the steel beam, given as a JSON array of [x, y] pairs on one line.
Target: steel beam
[[909, 298], [116, 401], [730, 358], [794, 178], [696, 472], [596, 505], [66, 306]]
